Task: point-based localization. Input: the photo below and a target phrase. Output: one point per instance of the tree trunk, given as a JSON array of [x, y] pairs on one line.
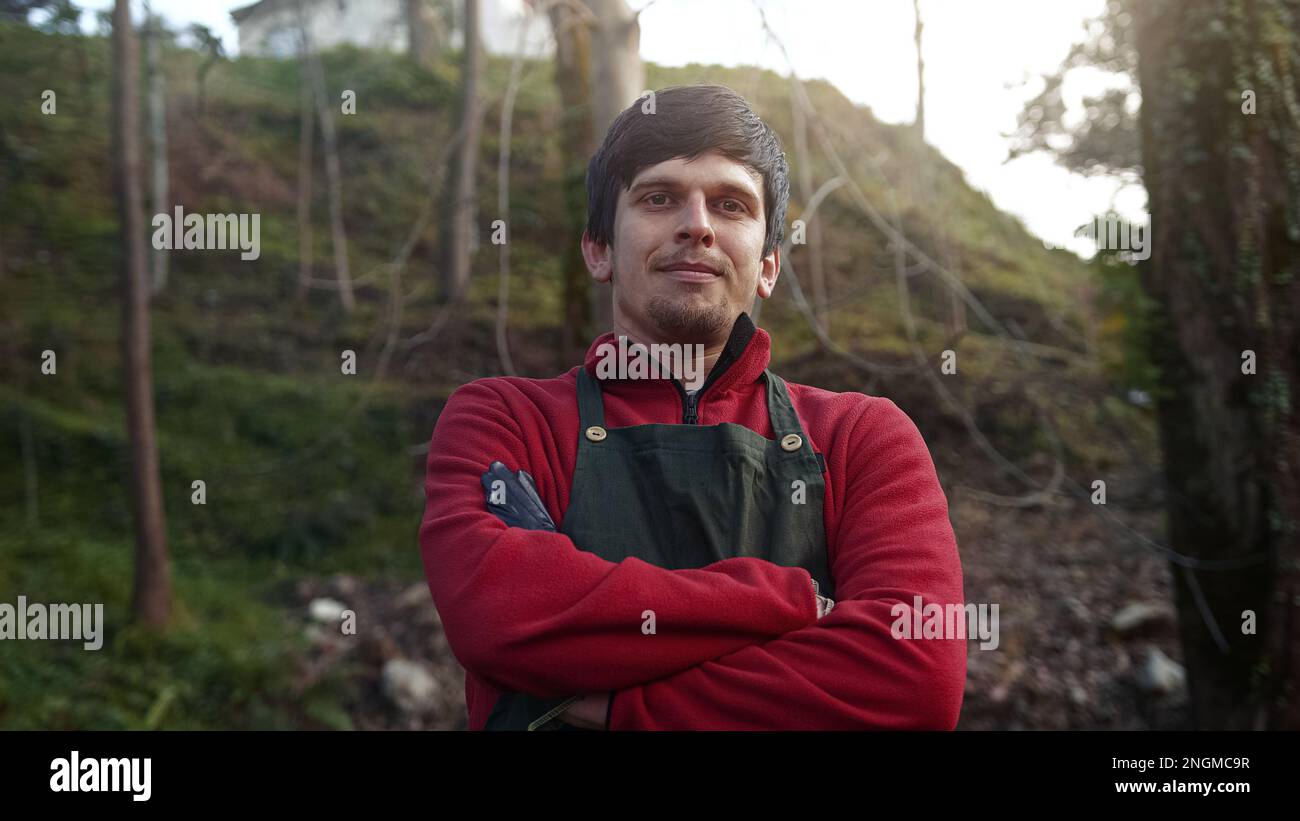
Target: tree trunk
[[203, 70], [334, 183], [816, 271], [157, 140], [617, 79], [419, 35], [920, 75], [573, 79], [306, 138], [460, 230], [1224, 258], [151, 599]]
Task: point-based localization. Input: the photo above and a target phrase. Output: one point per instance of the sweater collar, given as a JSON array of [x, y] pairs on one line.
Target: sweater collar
[[744, 357]]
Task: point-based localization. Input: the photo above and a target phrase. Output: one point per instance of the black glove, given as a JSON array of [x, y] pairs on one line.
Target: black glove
[[521, 506]]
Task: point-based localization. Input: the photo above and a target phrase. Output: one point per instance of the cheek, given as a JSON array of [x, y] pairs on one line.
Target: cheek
[[747, 256]]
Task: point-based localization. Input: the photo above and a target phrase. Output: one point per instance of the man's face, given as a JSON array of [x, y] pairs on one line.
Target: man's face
[[682, 214]]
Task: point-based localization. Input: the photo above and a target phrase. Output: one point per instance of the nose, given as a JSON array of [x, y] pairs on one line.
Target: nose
[[695, 225]]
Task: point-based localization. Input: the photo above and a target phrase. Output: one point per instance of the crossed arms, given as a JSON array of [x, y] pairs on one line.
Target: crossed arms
[[738, 644]]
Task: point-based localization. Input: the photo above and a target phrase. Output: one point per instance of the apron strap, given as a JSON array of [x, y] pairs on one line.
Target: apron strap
[[591, 404], [781, 412]]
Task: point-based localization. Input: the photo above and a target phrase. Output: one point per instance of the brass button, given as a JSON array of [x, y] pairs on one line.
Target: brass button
[[596, 433], [792, 442]]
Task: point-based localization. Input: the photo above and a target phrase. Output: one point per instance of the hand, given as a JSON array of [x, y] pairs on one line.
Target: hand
[[517, 503], [824, 604], [587, 712]]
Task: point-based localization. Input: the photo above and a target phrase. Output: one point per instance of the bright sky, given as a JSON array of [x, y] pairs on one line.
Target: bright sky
[[973, 52]]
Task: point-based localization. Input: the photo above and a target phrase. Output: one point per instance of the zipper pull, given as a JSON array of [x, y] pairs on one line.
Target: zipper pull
[[692, 401]]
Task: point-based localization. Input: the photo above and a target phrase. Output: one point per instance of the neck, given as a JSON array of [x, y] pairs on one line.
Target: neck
[[696, 370], [712, 349]]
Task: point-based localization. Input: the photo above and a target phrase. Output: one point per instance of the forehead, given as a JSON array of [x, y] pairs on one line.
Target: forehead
[[708, 170]]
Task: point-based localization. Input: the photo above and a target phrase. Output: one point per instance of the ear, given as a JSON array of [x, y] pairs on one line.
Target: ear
[[770, 271], [599, 258]]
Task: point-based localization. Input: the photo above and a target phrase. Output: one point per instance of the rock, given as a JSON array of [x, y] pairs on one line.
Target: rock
[[1136, 616], [378, 647], [345, 585], [410, 686], [1161, 674], [327, 611], [1000, 693], [1077, 609], [417, 595]]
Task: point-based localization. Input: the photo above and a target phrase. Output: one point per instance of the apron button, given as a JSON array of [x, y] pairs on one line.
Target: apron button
[[792, 442], [596, 433]]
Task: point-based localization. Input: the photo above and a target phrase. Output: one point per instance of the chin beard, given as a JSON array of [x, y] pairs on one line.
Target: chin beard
[[689, 323]]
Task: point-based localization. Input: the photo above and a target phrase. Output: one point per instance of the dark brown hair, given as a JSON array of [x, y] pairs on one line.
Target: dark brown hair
[[687, 121]]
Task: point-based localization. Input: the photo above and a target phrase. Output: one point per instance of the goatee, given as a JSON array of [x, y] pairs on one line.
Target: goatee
[[689, 323]]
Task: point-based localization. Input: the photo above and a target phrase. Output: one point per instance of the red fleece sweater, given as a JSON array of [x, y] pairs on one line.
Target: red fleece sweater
[[739, 644]]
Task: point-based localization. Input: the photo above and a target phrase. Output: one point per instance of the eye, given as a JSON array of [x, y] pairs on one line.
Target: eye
[[739, 209], [652, 196]]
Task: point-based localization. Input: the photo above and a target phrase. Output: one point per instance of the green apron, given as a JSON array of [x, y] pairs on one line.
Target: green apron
[[686, 496]]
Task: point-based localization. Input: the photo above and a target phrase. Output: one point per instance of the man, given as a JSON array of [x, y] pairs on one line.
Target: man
[[703, 535]]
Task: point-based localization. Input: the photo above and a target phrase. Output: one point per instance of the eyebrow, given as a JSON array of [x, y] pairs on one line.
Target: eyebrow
[[728, 188]]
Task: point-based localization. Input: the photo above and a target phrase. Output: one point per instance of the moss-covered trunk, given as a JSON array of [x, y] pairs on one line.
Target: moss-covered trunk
[[1221, 150]]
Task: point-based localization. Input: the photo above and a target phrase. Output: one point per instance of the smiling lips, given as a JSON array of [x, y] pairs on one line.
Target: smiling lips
[[691, 272]]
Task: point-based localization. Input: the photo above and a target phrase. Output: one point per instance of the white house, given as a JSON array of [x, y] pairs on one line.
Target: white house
[[269, 28]]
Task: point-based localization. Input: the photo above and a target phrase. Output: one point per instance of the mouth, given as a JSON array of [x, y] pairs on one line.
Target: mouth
[[691, 272]]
